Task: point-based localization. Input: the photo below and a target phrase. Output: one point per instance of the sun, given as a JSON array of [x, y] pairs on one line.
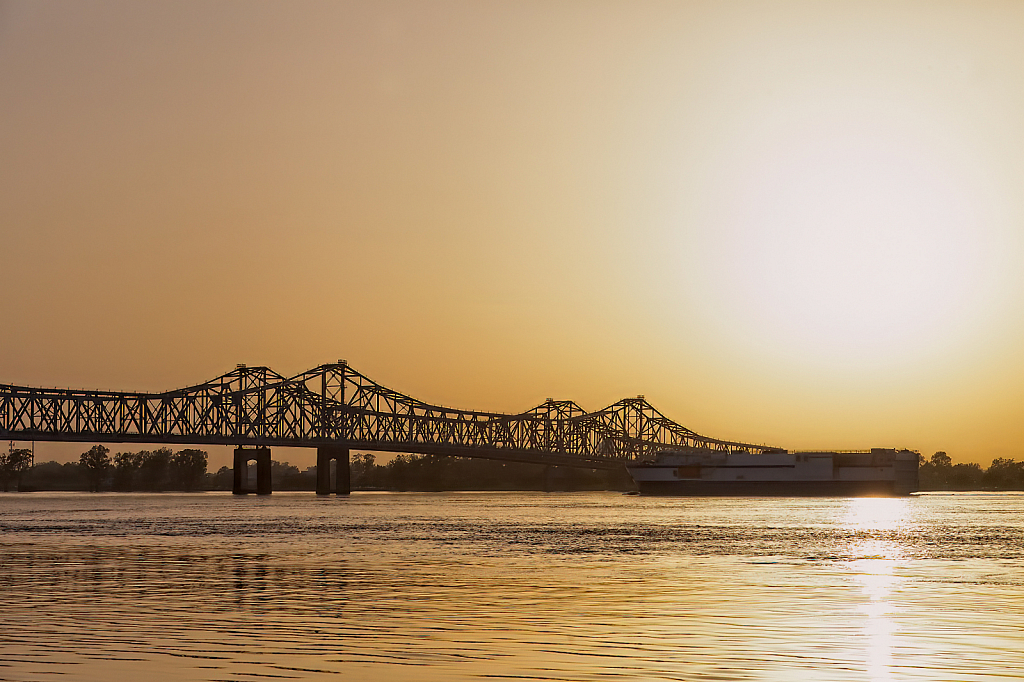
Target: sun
[[857, 236]]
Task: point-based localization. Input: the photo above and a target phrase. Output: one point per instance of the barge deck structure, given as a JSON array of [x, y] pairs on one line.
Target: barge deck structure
[[699, 471]]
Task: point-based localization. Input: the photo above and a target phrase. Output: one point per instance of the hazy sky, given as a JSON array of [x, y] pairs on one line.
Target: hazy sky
[[799, 224]]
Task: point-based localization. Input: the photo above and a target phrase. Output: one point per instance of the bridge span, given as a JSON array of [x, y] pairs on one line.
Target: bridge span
[[335, 409]]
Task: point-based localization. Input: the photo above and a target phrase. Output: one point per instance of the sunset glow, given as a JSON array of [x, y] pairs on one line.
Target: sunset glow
[[794, 224]]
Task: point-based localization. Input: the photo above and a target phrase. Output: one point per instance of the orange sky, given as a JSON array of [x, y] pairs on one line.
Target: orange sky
[[789, 223]]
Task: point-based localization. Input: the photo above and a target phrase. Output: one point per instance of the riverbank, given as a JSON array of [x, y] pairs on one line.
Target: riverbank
[[154, 472]]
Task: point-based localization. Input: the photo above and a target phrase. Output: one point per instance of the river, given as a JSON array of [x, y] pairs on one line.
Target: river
[[492, 586]]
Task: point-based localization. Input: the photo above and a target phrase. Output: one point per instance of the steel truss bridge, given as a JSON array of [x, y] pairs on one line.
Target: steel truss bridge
[[335, 409]]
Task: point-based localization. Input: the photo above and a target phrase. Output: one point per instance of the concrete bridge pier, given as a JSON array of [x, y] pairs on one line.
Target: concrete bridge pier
[[341, 482], [242, 486]]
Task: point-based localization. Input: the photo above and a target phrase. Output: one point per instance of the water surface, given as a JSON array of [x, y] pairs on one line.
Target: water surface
[[485, 586]]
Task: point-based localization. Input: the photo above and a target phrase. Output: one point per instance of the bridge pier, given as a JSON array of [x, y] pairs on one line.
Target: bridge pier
[[241, 470], [342, 483]]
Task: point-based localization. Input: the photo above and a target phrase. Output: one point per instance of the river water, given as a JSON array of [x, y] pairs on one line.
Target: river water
[[492, 586]]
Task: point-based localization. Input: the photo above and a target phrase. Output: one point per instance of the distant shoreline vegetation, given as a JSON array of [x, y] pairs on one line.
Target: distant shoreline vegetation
[[186, 470], [939, 473]]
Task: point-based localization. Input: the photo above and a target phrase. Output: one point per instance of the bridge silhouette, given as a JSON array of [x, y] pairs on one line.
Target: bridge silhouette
[[336, 409]]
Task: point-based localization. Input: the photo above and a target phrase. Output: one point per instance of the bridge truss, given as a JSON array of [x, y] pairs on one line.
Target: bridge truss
[[335, 405]]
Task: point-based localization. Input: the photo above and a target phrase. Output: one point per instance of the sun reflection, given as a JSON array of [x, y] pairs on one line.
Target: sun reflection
[[875, 557], [877, 582], [876, 513]]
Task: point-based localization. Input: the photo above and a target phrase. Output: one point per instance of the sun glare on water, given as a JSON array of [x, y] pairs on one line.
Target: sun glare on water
[[876, 513], [873, 570]]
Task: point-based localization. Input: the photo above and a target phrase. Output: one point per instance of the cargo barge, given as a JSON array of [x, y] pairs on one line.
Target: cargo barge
[[705, 472]]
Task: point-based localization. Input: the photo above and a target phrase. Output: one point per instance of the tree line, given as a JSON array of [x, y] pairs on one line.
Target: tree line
[[438, 472], [186, 470], [939, 473], [149, 470]]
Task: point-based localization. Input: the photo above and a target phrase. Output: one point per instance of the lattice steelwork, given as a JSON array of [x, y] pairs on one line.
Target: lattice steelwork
[[336, 404]]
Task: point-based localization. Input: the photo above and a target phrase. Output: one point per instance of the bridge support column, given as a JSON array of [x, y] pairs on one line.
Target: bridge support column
[[342, 483], [242, 486]]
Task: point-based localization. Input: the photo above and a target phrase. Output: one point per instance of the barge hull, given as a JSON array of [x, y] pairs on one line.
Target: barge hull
[[770, 488]]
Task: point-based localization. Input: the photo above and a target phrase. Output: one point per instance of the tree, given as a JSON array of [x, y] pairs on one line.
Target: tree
[[126, 467], [935, 473], [153, 469], [96, 462], [59, 476], [188, 468], [1005, 474], [284, 476], [223, 479], [965, 476], [13, 466], [364, 471]]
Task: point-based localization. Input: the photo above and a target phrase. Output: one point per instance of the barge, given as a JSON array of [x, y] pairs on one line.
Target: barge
[[705, 472]]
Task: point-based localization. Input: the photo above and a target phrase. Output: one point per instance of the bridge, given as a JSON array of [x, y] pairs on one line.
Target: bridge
[[335, 409]]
